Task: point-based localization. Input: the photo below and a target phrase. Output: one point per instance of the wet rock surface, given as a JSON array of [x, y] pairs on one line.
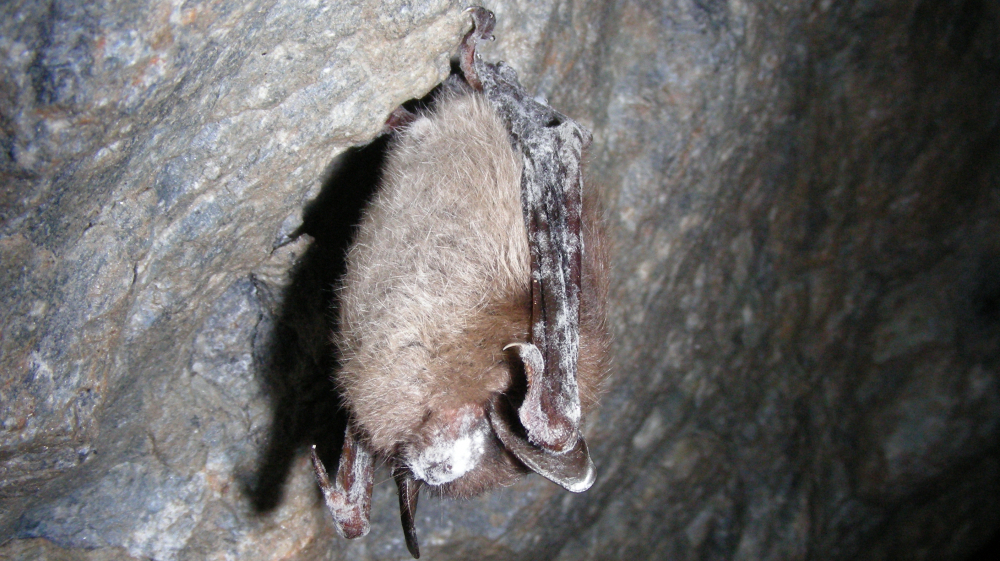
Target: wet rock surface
[[806, 291]]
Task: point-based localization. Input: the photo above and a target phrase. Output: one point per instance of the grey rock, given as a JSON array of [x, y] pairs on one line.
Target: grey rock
[[806, 296]]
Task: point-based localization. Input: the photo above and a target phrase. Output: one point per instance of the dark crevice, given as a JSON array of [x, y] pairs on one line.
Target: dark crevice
[[988, 552]]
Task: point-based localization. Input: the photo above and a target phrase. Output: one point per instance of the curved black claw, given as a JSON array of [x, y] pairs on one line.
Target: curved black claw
[[409, 490], [483, 22]]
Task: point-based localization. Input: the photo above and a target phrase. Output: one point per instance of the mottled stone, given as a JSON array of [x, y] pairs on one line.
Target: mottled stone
[[806, 287]]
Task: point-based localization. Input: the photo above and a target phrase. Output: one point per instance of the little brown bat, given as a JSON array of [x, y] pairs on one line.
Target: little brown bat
[[473, 311]]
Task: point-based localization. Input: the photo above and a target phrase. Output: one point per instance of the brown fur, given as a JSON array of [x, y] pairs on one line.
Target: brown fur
[[438, 283]]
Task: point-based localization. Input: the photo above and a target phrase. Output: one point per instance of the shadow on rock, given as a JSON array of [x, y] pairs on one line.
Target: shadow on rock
[[294, 352]]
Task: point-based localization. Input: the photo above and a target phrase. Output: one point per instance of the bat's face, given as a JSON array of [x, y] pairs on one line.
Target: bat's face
[[442, 422], [451, 444], [466, 450], [420, 390], [458, 453]]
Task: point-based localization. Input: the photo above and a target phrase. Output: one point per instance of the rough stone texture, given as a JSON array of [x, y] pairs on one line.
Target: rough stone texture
[[806, 294]]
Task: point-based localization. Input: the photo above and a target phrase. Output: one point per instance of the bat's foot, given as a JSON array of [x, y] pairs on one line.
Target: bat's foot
[[483, 23], [399, 118], [349, 495]]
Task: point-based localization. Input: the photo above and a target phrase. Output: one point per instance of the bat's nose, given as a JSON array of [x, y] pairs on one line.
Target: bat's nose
[[456, 443]]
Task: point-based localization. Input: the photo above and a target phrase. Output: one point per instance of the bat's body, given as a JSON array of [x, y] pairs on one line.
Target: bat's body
[[437, 284], [472, 313]]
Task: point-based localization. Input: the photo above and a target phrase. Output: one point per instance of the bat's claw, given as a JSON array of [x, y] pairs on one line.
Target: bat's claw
[[399, 118], [483, 22]]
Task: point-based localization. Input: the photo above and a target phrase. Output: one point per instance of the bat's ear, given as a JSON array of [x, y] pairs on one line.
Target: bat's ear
[[349, 496], [572, 469]]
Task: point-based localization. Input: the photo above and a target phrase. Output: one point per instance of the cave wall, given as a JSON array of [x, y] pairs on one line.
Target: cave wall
[[803, 198]]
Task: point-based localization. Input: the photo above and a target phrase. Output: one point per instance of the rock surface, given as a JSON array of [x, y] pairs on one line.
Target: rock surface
[[806, 288]]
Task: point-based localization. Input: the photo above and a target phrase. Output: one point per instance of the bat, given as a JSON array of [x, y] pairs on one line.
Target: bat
[[472, 319]]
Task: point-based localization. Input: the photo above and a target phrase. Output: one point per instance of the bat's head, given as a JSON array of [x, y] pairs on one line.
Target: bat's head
[[457, 453], [448, 441], [490, 414]]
